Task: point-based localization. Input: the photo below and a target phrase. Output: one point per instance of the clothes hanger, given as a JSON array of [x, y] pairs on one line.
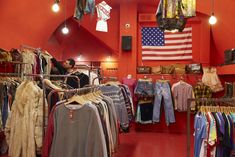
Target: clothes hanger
[[145, 78], [90, 97], [201, 109], [98, 94], [76, 99], [113, 83], [181, 80]]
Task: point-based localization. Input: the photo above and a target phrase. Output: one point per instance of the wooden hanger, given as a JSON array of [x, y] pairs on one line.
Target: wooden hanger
[[91, 98], [98, 94], [76, 99], [202, 109]]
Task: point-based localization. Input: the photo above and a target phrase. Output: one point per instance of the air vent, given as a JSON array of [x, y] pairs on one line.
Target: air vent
[[147, 18]]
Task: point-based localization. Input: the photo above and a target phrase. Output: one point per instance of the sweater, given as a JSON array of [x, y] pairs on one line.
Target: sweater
[[77, 132], [115, 93]]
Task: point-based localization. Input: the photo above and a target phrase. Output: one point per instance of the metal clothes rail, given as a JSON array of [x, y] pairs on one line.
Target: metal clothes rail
[[206, 102], [16, 63], [41, 77], [90, 69], [78, 91], [104, 78], [29, 47]]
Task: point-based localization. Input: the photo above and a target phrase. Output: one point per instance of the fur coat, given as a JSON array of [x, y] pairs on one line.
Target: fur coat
[[24, 126]]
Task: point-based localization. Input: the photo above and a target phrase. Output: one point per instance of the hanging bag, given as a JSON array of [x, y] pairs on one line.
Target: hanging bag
[[194, 68]]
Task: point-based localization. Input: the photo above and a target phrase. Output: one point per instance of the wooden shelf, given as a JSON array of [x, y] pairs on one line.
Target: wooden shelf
[[189, 77], [226, 69]]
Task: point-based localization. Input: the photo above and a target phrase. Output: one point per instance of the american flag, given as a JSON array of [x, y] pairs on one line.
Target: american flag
[[159, 45]]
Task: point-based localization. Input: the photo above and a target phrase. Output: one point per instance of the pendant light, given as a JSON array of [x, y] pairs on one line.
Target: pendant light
[[55, 7], [65, 29], [212, 19]]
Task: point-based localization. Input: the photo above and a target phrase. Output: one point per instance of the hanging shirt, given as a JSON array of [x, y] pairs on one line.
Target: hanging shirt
[[131, 83], [181, 93], [103, 13], [202, 91], [84, 7], [211, 79], [200, 132]]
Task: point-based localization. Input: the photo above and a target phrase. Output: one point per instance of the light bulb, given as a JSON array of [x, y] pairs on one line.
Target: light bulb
[[79, 58], [55, 7], [108, 58], [212, 20], [65, 30]]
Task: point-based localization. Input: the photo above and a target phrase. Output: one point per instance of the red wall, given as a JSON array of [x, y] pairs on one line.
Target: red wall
[[223, 32], [102, 44], [33, 22], [78, 41]]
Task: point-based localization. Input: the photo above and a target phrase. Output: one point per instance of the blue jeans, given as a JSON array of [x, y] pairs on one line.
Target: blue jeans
[[163, 91], [144, 88]]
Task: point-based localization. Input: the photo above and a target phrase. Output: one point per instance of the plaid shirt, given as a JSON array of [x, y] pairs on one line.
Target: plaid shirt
[[202, 91]]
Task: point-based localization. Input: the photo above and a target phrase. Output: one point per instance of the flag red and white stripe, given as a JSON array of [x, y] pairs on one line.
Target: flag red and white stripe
[[178, 46]]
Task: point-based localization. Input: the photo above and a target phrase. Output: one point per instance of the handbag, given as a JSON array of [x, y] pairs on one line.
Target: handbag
[[143, 70], [229, 56], [168, 69], [156, 70], [194, 68], [179, 68]]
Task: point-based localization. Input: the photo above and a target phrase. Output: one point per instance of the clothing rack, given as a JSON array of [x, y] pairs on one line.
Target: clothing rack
[[84, 67], [229, 101], [61, 76], [10, 74], [77, 90], [29, 47], [14, 62], [41, 77], [111, 78], [173, 76], [90, 69]]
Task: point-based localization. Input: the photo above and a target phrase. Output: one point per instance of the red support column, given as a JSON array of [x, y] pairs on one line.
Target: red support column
[[128, 59]]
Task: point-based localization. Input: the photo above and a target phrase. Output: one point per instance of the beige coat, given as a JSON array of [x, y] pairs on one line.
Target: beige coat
[[24, 126]]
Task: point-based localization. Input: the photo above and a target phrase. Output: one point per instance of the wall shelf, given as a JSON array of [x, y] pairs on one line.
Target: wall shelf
[[226, 69], [190, 78]]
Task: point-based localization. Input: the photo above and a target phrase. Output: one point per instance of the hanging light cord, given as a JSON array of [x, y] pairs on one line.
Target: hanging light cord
[[212, 7], [65, 10]]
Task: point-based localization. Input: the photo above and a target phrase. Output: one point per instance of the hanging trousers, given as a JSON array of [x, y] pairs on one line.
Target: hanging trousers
[[163, 92]]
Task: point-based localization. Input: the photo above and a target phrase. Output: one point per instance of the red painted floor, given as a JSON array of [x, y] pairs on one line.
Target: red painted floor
[[149, 144]]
